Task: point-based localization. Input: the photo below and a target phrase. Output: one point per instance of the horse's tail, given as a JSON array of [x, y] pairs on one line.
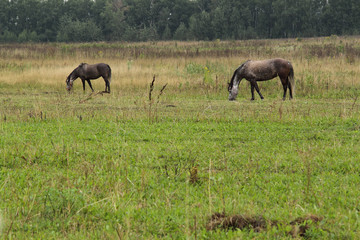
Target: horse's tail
[[292, 79]]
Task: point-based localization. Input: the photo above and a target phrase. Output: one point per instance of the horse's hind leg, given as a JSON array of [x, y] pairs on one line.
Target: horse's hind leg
[[290, 90], [286, 84], [107, 85]]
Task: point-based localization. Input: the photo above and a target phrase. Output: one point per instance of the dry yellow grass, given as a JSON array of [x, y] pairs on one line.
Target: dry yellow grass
[[323, 62]]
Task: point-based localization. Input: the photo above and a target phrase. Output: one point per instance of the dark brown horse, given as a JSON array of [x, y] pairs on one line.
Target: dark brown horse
[[87, 72], [254, 71]]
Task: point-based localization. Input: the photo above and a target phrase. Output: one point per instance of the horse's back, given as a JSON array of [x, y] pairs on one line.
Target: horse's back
[[102, 65], [270, 62], [266, 69], [93, 71], [260, 69], [277, 64], [282, 62], [103, 68]]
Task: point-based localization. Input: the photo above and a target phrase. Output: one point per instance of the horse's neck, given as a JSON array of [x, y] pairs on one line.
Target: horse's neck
[[79, 72]]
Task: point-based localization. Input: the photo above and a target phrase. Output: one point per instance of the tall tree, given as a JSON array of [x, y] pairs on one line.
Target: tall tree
[[48, 20], [112, 20], [135, 20]]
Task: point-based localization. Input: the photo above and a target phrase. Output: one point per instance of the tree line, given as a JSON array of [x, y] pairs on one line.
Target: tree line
[[151, 20]]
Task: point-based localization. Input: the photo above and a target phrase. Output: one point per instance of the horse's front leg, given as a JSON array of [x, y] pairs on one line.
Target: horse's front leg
[[255, 85], [252, 90], [258, 90], [89, 82], [83, 83]]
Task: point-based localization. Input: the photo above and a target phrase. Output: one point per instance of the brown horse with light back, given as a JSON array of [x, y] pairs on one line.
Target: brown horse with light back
[[87, 72], [255, 71]]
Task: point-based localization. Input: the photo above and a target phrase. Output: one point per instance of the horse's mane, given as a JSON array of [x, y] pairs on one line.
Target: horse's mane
[[235, 72], [76, 69], [73, 72], [242, 65]]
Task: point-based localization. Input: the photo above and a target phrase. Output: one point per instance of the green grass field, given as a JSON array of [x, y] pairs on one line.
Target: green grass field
[[119, 166]]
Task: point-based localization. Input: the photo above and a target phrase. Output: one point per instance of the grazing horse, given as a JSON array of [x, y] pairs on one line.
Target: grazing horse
[[86, 72], [254, 71]]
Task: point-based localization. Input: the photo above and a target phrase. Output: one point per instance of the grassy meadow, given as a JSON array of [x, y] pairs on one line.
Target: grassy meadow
[[180, 162]]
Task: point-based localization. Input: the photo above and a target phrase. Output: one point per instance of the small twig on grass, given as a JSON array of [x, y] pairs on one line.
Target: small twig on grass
[[118, 229], [31, 207], [353, 105], [195, 227], [280, 110], [101, 200], [12, 221], [5, 182], [91, 95]]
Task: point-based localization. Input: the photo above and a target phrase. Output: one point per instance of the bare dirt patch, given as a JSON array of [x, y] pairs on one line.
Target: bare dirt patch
[[258, 223]]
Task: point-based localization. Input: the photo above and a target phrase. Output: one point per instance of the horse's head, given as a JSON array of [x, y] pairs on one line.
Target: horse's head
[[233, 94], [233, 88], [72, 76], [69, 83], [233, 85], [70, 79]]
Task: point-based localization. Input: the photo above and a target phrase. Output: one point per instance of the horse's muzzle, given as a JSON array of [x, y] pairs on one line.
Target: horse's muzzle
[[231, 97]]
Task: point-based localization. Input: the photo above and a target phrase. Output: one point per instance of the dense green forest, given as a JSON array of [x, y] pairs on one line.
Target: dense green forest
[[144, 20]]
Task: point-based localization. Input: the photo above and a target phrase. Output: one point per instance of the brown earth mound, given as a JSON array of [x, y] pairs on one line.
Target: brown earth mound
[[259, 223], [302, 224]]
